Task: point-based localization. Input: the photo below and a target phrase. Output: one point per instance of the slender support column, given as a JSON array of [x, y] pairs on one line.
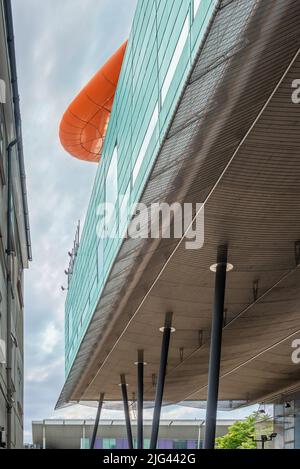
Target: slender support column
[[82, 446], [100, 404], [44, 436], [167, 329], [215, 348], [126, 411], [199, 434], [140, 398]]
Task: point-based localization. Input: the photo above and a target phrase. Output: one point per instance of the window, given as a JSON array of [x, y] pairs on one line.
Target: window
[[111, 189], [147, 139], [109, 443], [86, 310], [147, 443], [175, 59], [196, 6], [85, 443], [284, 425], [66, 333], [111, 184], [70, 326], [289, 425], [100, 259], [123, 215], [179, 444], [94, 289]]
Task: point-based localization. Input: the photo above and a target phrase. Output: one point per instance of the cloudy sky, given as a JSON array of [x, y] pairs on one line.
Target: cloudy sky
[[60, 45]]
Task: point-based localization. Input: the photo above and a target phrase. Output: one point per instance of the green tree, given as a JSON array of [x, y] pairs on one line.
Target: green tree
[[240, 435]]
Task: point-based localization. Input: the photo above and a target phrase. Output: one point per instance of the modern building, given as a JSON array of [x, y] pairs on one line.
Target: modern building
[[15, 245], [200, 106], [77, 434]]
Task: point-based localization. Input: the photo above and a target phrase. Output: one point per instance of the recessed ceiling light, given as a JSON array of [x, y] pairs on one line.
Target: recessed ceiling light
[[229, 267], [164, 327]]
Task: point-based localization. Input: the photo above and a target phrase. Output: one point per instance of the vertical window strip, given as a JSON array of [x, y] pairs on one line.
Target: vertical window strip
[[196, 6], [147, 139], [175, 59]]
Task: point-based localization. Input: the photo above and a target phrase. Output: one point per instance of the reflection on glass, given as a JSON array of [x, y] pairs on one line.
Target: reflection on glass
[[196, 6], [147, 139], [175, 59], [111, 188]]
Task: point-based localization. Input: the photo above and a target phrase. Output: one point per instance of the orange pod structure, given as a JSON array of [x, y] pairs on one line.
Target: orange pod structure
[[84, 124]]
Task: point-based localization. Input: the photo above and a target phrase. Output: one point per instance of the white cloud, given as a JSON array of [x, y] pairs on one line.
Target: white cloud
[[37, 374], [41, 373], [50, 338]]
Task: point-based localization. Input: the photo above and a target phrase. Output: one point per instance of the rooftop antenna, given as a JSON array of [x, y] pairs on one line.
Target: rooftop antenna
[[72, 255]]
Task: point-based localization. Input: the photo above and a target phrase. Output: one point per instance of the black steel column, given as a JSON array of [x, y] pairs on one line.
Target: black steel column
[[140, 398], [126, 411], [215, 349], [161, 379], [100, 404]]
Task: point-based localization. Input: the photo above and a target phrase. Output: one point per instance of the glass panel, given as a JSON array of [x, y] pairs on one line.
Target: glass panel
[[145, 145], [124, 210], [147, 443], [289, 424], [289, 435], [109, 443], [289, 446], [100, 259], [175, 59], [93, 288], [112, 179], [86, 310], [84, 443], [196, 6], [70, 327], [180, 444], [111, 187]]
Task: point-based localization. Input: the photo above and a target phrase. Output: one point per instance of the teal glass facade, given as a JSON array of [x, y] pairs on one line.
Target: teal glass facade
[[165, 37]]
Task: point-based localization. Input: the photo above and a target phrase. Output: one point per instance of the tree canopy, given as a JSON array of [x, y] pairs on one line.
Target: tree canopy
[[240, 434]]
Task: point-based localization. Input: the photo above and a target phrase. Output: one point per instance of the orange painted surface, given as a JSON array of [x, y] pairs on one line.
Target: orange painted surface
[[84, 124]]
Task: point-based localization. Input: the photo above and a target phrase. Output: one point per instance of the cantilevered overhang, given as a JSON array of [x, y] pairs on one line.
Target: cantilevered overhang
[[233, 145]]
